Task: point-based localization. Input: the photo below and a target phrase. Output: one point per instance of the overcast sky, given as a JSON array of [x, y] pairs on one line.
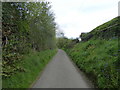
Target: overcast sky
[[76, 16]]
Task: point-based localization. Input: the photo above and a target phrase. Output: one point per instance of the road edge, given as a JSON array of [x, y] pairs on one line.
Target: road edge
[[39, 75], [85, 77]]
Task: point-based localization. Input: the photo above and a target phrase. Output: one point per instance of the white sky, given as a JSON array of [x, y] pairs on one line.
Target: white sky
[[76, 16]]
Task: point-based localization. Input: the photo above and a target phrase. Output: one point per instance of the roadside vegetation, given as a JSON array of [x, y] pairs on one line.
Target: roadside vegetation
[[28, 41], [97, 54], [31, 65], [98, 59]]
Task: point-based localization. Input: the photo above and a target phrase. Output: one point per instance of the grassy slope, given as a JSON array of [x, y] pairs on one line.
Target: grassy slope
[[33, 64], [107, 24], [98, 58], [98, 30]]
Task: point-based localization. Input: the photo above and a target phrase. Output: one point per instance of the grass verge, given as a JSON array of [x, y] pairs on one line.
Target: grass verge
[[99, 60], [33, 64]]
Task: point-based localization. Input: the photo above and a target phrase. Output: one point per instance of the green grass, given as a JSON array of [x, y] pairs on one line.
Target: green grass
[[107, 24], [106, 31], [98, 59], [33, 64]]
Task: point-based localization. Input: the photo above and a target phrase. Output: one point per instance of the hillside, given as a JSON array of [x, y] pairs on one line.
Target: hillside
[[97, 54], [105, 31]]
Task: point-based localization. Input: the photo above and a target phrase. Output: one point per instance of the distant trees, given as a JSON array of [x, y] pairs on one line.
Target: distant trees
[[25, 26], [63, 42], [60, 33]]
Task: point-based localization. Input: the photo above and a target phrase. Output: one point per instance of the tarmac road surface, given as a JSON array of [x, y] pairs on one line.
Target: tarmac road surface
[[61, 72]]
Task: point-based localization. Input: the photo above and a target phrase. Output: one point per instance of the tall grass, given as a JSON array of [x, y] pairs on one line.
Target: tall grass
[[98, 59], [33, 63]]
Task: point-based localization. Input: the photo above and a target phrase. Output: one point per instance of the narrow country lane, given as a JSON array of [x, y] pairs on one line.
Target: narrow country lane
[[62, 73]]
